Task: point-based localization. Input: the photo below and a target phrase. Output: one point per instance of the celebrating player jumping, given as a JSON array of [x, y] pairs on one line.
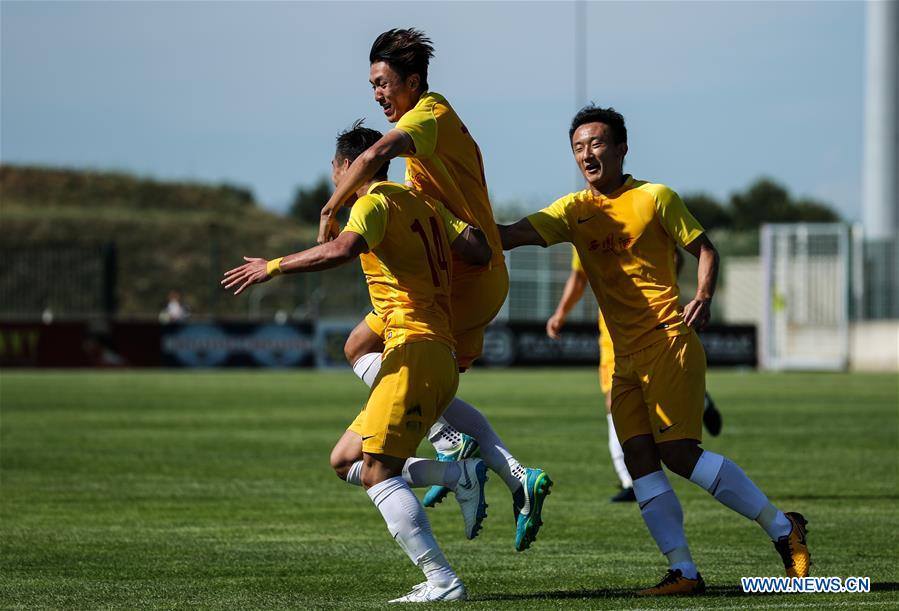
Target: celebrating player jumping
[[442, 161]]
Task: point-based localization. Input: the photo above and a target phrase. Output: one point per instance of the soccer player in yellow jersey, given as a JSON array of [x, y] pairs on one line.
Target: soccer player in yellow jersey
[[443, 161], [572, 293], [625, 232], [404, 240]]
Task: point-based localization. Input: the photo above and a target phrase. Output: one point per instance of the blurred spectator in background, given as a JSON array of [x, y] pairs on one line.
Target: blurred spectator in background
[[175, 310]]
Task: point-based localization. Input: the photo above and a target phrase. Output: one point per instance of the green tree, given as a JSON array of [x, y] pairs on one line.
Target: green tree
[[765, 201], [812, 211], [308, 201], [708, 211]]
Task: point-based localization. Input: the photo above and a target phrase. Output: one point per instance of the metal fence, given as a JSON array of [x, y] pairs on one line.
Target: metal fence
[[57, 281], [69, 282]]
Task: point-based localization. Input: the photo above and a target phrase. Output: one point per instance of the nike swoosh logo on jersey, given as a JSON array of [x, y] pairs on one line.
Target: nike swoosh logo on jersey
[[369, 437], [663, 429], [579, 221]]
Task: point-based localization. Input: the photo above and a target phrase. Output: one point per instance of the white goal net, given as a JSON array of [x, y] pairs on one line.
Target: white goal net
[[806, 269]]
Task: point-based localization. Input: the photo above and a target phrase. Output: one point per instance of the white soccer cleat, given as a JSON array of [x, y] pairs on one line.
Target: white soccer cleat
[[470, 494], [428, 593]]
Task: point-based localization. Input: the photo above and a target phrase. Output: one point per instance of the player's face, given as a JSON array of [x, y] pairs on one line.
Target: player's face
[[600, 160], [396, 95]]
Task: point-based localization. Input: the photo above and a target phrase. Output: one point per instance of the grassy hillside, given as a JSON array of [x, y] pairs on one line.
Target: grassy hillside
[[167, 235]]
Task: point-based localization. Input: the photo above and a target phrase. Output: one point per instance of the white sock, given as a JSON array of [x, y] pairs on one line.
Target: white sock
[[464, 417], [618, 456], [665, 520], [354, 475], [443, 437], [367, 367], [732, 487], [409, 526], [419, 472]]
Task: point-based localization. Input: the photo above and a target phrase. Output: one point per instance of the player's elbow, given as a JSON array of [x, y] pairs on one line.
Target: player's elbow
[[341, 251], [481, 253], [708, 250], [481, 256], [473, 247]]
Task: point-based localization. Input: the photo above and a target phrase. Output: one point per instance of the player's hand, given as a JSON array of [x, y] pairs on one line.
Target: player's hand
[[251, 272], [328, 229], [554, 325], [697, 313]]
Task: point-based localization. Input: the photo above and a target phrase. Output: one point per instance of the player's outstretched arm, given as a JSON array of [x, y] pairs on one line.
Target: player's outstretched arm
[[393, 144], [521, 233], [574, 290], [698, 312], [472, 246], [346, 247]]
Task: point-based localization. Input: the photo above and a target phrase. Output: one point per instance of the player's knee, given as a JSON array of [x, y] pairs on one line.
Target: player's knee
[[680, 456], [372, 477], [341, 463], [641, 456], [352, 350], [361, 342]]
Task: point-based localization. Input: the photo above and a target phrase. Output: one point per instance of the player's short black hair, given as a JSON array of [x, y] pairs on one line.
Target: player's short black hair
[[356, 140], [596, 114], [406, 51]]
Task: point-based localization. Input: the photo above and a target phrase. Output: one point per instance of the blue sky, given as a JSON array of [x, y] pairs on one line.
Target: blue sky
[[715, 94]]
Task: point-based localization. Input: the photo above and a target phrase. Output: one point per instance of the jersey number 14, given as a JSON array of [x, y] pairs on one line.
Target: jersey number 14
[[439, 254]]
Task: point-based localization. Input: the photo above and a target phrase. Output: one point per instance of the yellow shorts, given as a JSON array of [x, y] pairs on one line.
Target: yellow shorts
[[416, 383], [606, 370], [476, 300], [660, 390], [606, 359]]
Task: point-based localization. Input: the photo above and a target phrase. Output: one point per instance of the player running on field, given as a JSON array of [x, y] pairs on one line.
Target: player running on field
[[572, 293], [625, 232], [403, 239], [443, 161]]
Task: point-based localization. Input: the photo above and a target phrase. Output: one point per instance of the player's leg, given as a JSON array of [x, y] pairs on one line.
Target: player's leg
[[626, 494], [678, 391], [346, 456], [363, 350], [529, 486], [398, 412], [408, 525], [659, 506], [463, 418], [711, 416], [346, 460], [476, 301]]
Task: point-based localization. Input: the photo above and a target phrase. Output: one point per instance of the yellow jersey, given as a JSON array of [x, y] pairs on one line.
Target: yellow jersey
[[606, 348], [447, 165], [407, 267], [626, 244]]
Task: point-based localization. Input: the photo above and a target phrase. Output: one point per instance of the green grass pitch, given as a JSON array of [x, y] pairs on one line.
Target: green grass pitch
[[213, 490]]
